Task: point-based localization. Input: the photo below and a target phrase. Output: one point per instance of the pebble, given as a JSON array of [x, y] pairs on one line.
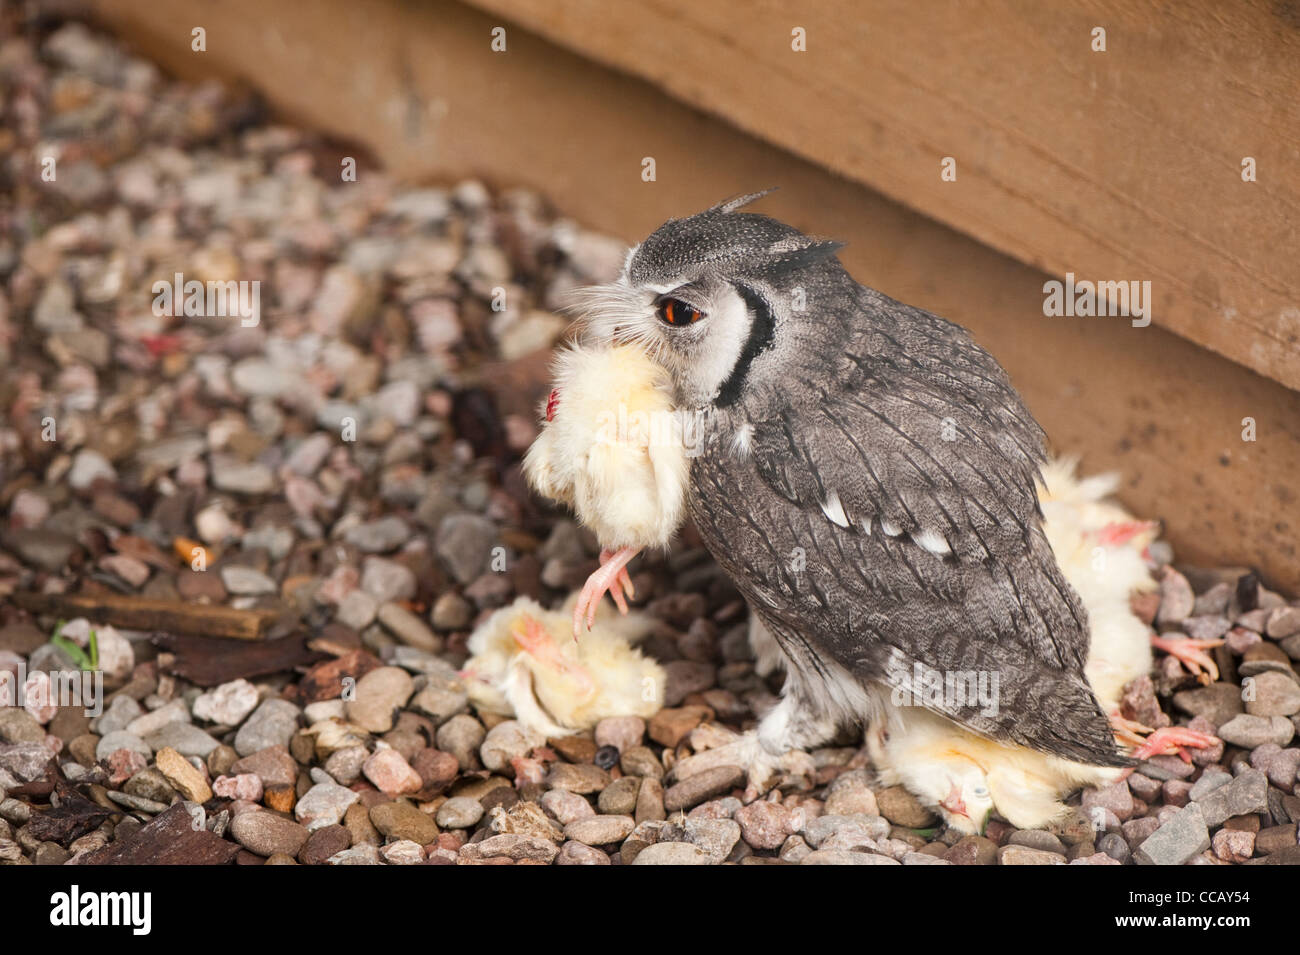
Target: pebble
[[320, 846], [403, 852], [408, 628], [357, 610], [619, 798], [228, 704], [153, 721], [323, 805], [650, 801], [377, 695], [600, 830], [846, 857], [244, 786], [506, 742], [766, 825], [391, 773], [379, 536], [903, 809], [511, 845], [1233, 845], [184, 778], [387, 580], [1176, 841], [1275, 694], [273, 765], [441, 700], [566, 806], [112, 742], [703, 785], [576, 853], [364, 854], [581, 778], [121, 711], [1024, 855], [266, 833], [621, 732], [1249, 731], [451, 611], [248, 581], [673, 853], [717, 837], [670, 726], [401, 820], [459, 812], [850, 794], [1037, 839], [461, 736], [1247, 793], [273, 723], [464, 542]]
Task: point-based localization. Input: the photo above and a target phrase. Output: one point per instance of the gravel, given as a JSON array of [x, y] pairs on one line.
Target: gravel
[[351, 465]]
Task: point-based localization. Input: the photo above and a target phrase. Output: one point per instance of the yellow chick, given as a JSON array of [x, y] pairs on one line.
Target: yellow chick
[[524, 664], [1100, 548], [614, 449]]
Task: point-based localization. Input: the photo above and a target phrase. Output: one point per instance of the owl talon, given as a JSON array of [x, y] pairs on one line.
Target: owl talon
[[1127, 731]]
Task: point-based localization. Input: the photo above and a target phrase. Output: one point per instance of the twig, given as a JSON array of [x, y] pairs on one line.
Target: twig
[[141, 613]]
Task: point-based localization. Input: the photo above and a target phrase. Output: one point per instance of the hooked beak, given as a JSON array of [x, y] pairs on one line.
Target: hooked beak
[[954, 803]]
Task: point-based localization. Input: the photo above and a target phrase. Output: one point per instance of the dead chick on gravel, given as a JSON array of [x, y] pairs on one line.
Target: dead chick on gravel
[[966, 777], [525, 663]]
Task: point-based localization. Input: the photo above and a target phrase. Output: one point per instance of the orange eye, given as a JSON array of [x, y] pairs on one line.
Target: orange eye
[[673, 311]]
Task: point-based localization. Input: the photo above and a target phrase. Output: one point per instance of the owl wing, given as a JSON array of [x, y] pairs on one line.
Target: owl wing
[[908, 481]]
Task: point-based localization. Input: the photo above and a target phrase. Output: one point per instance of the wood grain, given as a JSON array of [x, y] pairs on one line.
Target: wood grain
[[1115, 165]]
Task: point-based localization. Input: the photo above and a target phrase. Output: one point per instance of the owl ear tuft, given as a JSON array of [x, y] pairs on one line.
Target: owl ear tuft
[[799, 251], [731, 205]]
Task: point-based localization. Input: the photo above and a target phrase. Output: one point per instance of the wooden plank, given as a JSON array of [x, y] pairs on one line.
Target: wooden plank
[[143, 613], [419, 85], [208, 662], [1116, 165]]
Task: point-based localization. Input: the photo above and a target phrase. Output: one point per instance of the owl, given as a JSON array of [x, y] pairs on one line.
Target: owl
[[865, 474]]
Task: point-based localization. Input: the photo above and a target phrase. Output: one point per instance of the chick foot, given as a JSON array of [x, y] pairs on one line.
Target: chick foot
[[1192, 654], [1171, 740], [611, 577], [535, 640]]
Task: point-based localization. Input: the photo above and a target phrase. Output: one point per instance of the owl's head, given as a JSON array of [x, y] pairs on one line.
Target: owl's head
[[713, 297]]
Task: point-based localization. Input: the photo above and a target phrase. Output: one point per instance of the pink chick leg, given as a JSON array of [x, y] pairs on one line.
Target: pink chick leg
[[611, 577], [1170, 740], [1192, 654], [533, 639]]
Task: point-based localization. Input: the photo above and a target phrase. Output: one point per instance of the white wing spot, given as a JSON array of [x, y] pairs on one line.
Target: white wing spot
[[833, 509], [890, 528], [741, 439], [932, 541]]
